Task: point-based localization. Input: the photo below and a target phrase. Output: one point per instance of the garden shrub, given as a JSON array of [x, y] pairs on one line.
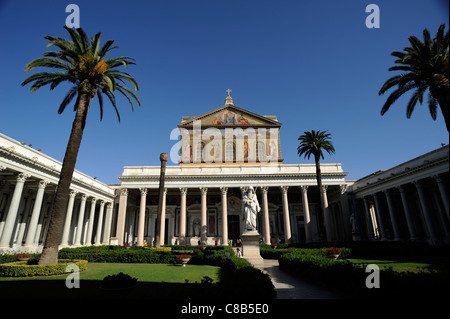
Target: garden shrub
[[25, 269]]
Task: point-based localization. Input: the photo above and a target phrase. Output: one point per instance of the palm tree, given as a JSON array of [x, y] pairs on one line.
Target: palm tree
[[83, 64], [426, 67], [314, 143]]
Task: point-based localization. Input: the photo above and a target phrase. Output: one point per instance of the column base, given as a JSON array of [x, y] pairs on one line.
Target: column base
[[250, 247]]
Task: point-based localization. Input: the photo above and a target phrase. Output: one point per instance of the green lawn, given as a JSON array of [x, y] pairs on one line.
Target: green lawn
[[143, 272], [396, 265]]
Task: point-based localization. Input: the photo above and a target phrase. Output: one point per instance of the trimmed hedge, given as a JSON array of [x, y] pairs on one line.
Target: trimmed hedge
[[24, 269], [269, 252], [350, 279]]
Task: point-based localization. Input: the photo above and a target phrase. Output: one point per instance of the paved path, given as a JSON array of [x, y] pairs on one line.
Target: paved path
[[290, 287]]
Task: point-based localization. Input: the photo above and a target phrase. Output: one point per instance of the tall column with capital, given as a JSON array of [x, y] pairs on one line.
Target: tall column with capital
[[223, 191], [141, 224], [80, 221], [392, 215], [29, 239], [182, 229], [409, 220], [379, 217], [120, 231], [204, 214], [286, 217], [307, 217], [443, 192], [369, 219], [98, 234], [12, 211], [426, 213], [91, 222], [265, 209], [107, 226]]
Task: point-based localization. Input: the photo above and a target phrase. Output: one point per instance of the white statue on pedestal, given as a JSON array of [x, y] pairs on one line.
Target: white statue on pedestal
[[250, 208]]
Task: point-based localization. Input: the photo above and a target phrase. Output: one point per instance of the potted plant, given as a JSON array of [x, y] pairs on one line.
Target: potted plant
[[23, 257], [333, 253], [127, 246], [184, 259]]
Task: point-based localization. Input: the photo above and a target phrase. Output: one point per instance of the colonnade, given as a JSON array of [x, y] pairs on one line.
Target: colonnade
[[183, 191], [414, 210], [26, 207]]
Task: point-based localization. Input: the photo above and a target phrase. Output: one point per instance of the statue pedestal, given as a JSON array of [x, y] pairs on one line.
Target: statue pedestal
[[250, 247]]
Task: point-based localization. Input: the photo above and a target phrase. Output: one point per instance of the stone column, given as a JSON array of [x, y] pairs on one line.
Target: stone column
[[91, 222], [182, 229], [141, 223], [29, 239], [307, 217], [107, 226], [98, 235], [426, 214], [120, 231], [287, 222], [265, 209], [409, 220], [204, 215], [327, 216], [392, 215], [162, 222], [224, 190], [443, 192], [80, 221], [12, 211], [379, 218], [369, 219]]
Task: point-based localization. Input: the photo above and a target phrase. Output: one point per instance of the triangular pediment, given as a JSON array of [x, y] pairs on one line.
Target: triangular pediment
[[231, 116]]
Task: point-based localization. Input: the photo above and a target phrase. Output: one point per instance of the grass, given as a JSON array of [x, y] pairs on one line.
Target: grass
[[403, 264], [143, 272]]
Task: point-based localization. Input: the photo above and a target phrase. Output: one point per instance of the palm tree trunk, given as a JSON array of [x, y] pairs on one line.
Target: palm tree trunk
[[50, 251], [440, 91], [319, 184], [443, 101]]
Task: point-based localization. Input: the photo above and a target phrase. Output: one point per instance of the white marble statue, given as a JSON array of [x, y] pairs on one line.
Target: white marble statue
[[250, 208]]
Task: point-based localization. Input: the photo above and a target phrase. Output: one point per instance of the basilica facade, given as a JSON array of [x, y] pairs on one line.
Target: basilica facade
[[220, 157]]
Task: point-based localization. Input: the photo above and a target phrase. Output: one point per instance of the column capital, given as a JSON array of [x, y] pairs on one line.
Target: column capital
[[93, 200], [124, 192], [73, 193], [343, 188], [264, 189], [43, 184], [284, 189], [84, 197], [143, 191], [183, 190], [203, 190], [243, 189], [437, 178], [304, 188], [109, 205], [224, 190], [102, 203], [324, 188], [22, 177]]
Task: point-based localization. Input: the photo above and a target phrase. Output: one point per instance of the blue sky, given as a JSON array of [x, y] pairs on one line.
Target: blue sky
[[313, 64]]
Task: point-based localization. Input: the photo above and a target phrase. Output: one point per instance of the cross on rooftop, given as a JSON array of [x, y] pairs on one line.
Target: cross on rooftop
[[228, 91]]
